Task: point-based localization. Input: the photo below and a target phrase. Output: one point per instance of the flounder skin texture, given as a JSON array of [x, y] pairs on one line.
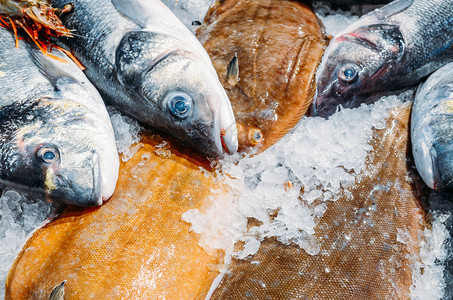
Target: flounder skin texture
[[135, 246], [278, 45], [360, 257]]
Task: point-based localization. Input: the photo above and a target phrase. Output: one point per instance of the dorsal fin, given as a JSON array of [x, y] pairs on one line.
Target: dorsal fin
[[50, 70]]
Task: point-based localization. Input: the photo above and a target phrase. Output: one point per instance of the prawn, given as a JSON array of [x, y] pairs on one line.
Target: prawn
[[40, 22]]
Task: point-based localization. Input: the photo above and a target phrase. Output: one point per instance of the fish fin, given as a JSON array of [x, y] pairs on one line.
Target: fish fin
[[52, 72], [58, 292], [390, 9], [233, 71], [378, 37], [139, 11]]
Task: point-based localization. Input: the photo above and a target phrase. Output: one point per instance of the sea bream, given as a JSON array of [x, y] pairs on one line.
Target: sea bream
[[432, 129], [149, 65], [56, 138], [387, 50]]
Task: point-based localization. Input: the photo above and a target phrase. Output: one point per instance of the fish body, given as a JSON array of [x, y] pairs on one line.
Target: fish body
[[149, 65], [389, 49], [362, 255], [135, 246], [432, 129], [266, 53], [56, 136]]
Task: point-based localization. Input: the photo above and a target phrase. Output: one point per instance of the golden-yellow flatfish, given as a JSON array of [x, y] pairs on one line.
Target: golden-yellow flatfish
[[135, 246]]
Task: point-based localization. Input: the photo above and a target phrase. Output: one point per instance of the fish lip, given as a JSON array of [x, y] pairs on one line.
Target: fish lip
[[442, 173], [224, 129], [70, 193]]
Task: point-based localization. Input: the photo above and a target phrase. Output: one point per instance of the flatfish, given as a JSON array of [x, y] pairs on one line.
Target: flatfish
[[265, 53], [360, 256], [135, 246]]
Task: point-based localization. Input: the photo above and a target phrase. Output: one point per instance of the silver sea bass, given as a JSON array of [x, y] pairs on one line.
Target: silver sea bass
[[389, 49], [152, 68], [56, 138], [432, 129]]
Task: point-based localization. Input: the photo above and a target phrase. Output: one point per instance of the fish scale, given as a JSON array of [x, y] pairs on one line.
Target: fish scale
[[140, 56], [388, 50], [56, 138]]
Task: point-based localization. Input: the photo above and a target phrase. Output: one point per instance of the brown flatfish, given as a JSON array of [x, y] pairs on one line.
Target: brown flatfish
[[135, 246], [265, 53], [360, 257]]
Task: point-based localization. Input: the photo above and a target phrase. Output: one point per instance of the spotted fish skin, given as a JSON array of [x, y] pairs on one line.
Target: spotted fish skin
[[143, 59], [432, 129], [266, 53], [389, 49], [56, 138]]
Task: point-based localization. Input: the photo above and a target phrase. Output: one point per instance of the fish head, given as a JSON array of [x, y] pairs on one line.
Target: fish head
[[182, 90], [62, 152], [356, 66]]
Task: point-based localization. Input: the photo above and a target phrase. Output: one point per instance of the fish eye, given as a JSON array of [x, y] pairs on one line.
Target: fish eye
[[348, 73], [179, 104], [48, 154], [256, 136]]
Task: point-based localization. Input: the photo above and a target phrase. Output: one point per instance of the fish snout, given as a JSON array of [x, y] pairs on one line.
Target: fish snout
[[324, 107], [226, 126], [79, 186], [442, 159]]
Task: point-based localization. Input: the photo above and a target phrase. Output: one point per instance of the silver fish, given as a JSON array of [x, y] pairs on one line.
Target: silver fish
[[152, 68], [432, 129], [56, 138], [389, 49]]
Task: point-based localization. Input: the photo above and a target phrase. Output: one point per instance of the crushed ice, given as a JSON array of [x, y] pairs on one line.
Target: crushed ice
[[320, 157], [258, 185]]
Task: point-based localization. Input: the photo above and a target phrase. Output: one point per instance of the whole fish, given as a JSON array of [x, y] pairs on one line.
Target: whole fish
[[135, 246], [362, 254], [432, 129], [56, 138], [149, 65], [266, 54], [389, 49]]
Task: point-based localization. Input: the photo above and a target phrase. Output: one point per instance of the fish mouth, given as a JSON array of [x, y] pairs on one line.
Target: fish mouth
[[324, 107], [442, 161], [225, 129], [81, 189]]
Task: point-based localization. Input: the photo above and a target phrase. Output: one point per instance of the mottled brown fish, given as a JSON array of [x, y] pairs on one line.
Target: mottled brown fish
[[135, 246], [360, 256], [266, 53]]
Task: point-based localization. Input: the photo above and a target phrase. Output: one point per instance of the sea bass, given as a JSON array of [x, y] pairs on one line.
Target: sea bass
[[55, 132], [149, 65], [266, 54], [432, 129], [389, 49]]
